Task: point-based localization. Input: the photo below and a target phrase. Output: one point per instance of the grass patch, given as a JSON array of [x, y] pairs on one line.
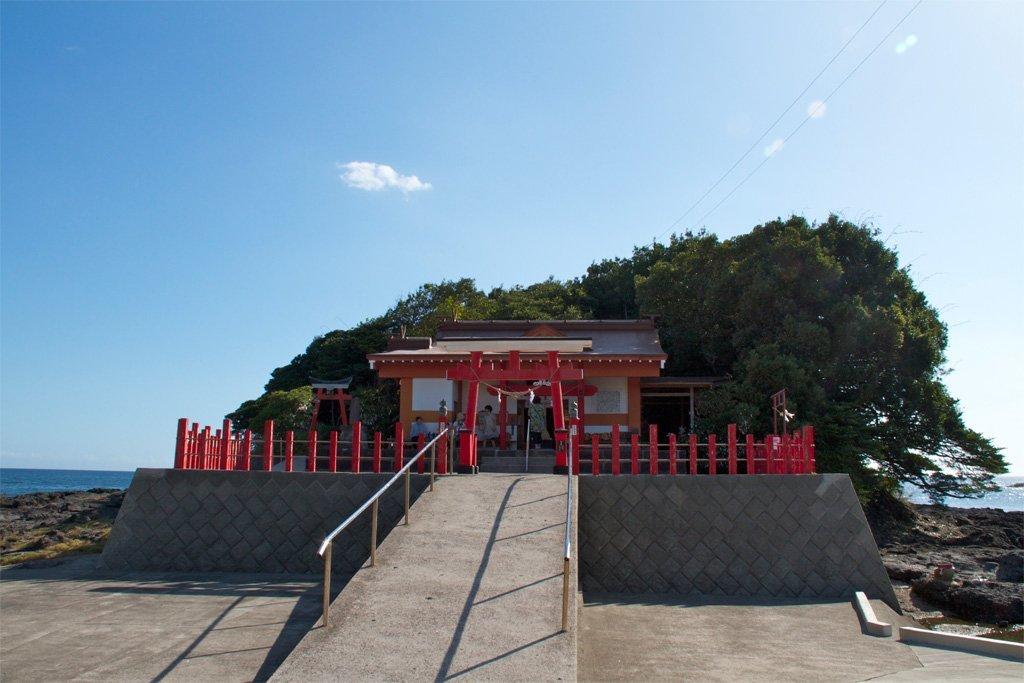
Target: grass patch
[[47, 543]]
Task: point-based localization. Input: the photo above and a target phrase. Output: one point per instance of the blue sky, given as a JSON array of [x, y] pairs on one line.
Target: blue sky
[[176, 222]]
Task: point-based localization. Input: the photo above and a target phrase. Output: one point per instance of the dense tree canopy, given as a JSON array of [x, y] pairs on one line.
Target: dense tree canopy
[[823, 310]]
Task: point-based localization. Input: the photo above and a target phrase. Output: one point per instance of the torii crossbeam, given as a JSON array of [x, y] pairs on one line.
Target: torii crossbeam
[[512, 371]]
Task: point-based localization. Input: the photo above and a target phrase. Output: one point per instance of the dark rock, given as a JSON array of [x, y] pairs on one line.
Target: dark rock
[[1011, 567]]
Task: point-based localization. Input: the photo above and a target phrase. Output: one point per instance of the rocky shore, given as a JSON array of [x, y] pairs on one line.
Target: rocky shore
[[44, 526], [984, 546]]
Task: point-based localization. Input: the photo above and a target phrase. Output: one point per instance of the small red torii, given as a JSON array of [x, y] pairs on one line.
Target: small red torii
[[475, 371]]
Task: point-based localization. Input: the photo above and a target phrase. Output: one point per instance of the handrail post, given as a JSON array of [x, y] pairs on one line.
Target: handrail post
[[373, 532], [408, 477], [327, 584], [565, 594]]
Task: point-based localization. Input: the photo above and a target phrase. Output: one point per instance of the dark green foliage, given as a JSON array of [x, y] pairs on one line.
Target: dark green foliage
[[823, 311], [289, 410]]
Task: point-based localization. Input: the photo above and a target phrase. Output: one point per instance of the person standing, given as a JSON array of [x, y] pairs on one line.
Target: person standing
[[538, 415]]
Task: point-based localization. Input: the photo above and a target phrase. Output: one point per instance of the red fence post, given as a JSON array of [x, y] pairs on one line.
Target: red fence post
[[442, 446], [399, 459], [289, 450], [750, 453], [268, 445], [332, 451], [378, 446], [595, 454], [787, 454], [311, 451], [215, 450], [421, 464], [357, 446], [652, 437], [672, 469], [179, 444], [811, 466], [693, 454], [225, 456], [634, 453], [616, 449], [731, 436], [247, 447], [712, 454], [192, 458]]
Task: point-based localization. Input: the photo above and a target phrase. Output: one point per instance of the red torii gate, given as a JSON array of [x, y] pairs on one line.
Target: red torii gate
[[513, 371]]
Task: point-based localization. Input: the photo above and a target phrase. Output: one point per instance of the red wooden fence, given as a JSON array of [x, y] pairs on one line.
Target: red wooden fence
[[223, 449]]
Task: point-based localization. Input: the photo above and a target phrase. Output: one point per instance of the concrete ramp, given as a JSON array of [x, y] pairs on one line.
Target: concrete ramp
[[472, 588]]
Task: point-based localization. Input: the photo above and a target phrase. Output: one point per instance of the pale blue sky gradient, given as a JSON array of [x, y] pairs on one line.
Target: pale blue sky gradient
[[174, 224]]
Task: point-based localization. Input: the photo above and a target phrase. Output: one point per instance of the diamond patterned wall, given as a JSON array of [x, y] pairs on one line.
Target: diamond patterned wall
[[189, 520], [779, 536]]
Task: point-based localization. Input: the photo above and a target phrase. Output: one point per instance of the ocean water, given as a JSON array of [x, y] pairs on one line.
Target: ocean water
[[1008, 497], [15, 481]]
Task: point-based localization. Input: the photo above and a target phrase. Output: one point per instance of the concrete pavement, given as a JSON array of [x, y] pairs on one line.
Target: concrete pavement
[[635, 638], [75, 622], [471, 589]]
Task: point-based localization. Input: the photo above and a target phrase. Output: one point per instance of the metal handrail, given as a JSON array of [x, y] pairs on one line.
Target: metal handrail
[[567, 545], [374, 502]]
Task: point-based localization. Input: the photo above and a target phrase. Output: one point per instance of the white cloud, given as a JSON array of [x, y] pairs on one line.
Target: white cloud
[[905, 44], [776, 145], [816, 109], [371, 176]]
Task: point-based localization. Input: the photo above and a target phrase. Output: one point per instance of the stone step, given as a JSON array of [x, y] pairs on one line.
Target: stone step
[[537, 463]]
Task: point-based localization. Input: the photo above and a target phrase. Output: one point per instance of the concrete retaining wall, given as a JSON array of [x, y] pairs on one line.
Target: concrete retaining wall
[[778, 536], [188, 520]]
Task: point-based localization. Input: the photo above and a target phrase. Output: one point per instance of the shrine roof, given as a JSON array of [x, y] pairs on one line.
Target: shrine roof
[[573, 338]]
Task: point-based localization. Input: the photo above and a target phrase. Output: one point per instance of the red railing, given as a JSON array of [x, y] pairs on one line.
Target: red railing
[[205, 449], [223, 449], [774, 454]]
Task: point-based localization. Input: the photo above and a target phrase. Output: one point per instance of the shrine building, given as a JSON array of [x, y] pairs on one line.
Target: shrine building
[[621, 362]]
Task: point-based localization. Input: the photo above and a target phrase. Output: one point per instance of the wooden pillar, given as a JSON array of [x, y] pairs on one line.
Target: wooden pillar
[[672, 467], [179, 444], [268, 445], [693, 453], [421, 442], [595, 454], [399, 459], [652, 437], [225, 454], [750, 454], [378, 446], [247, 448], [357, 446], [311, 451], [193, 447], [731, 437], [332, 451], [812, 466], [616, 449], [634, 453], [442, 446], [558, 412], [712, 454], [289, 451]]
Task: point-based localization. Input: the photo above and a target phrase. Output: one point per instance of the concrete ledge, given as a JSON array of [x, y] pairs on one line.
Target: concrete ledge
[[260, 522], [729, 536], [983, 646], [868, 618]]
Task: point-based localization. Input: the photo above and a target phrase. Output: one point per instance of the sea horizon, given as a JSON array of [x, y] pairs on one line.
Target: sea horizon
[[16, 481]]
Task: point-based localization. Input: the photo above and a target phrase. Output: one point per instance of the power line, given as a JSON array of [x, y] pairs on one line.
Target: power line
[[775, 122], [811, 114]]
